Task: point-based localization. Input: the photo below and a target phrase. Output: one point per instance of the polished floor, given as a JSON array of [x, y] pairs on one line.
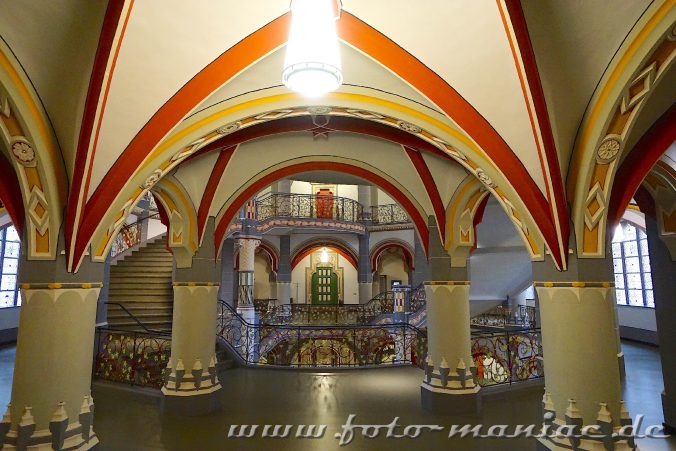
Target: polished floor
[[126, 421]]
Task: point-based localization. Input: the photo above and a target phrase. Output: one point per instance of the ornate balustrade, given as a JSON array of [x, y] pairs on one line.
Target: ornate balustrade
[[499, 358], [130, 235], [389, 214], [522, 316], [134, 358], [312, 206], [507, 357], [381, 304], [139, 358]]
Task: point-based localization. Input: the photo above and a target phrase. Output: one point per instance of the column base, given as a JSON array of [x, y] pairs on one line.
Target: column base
[[190, 405], [669, 411], [43, 440], [450, 402]]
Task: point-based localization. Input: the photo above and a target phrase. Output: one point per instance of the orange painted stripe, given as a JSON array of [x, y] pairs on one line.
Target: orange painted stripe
[[222, 69]]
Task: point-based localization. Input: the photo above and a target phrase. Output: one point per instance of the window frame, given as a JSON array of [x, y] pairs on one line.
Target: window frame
[[3, 248], [641, 270]]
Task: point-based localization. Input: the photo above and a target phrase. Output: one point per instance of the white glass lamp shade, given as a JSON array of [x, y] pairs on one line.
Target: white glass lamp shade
[[312, 65]]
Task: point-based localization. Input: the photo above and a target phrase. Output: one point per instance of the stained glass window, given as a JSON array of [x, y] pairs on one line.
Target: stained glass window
[[631, 264], [9, 267]]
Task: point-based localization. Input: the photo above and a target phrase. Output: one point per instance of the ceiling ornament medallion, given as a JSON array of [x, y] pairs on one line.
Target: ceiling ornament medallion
[[609, 149], [229, 128], [484, 178], [408, 127], [318, 110], [152, 179], [23, 152]]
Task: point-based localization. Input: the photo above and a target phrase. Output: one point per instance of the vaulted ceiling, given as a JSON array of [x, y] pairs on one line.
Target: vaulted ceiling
[[518, 94]]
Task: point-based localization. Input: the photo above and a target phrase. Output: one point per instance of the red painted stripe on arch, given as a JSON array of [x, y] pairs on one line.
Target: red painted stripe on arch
[[209, 79], [78, 193], [382, 49], [639, 162], [10, 194], [520, 27], [431, 187], [210, 190], [251, 190]]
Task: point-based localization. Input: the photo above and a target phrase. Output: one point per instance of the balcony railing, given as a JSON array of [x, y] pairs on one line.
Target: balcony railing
[[389, 214], [310, 206], [140, 358], [522, 316], [381, 304]]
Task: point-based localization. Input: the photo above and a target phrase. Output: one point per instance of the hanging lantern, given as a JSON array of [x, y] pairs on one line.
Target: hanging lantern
[[312, 65]]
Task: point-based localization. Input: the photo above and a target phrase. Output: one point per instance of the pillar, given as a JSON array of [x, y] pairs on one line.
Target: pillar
[[226, 291], [192, 385], [449, 384], [421, 272], [284, 270], [51, 405], [663, 269], [579, 338], [365, 274], [247, 245]]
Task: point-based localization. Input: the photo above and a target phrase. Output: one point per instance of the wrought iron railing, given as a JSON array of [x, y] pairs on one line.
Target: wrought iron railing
[[140, 358], [500, 358], [336, 346], [130, 235], [389, 214], [379, 305], [507, 357], [314, 206], [134, 358], [521, 316]]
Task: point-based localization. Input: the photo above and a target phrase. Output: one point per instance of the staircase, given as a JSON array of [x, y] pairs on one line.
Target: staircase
[[141, 282]]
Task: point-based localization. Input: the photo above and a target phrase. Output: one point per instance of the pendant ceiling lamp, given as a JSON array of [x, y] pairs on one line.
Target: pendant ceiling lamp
[[312, 65]]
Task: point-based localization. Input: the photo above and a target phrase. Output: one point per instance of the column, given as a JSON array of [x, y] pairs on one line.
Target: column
[[663, 268], [422, 270], [364, 197], [192, 384], [579, 338], [284, 270], [365, 274], [247, 245], [449, 384], [52, 406], [226, 292]]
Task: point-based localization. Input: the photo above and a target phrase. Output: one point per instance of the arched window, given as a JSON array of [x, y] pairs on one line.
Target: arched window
[[10, 246], [631, 264]]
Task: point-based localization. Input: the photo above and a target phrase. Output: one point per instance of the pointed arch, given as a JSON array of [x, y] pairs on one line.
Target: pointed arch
[[491, 146]]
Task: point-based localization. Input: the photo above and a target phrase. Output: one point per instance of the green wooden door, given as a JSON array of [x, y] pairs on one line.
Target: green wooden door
[[324, 286]]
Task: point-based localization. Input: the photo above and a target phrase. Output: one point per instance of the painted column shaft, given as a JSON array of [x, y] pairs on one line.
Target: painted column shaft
[[194, 327], [54, 360], [448, 327], [580, 346]]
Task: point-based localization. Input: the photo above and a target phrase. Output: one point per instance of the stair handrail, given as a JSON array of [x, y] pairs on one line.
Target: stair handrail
[[136, 320]]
